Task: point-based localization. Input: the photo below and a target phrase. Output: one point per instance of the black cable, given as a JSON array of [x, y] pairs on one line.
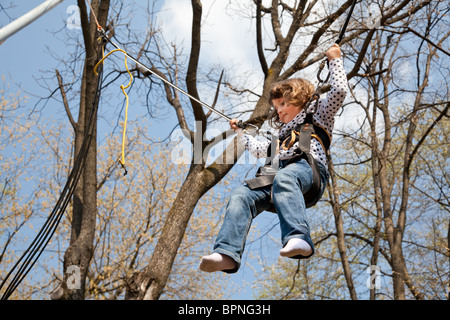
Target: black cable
[[338, 41], [48, 229], [344, 27]]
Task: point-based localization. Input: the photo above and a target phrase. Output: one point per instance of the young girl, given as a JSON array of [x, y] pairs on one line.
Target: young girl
[[292, 180]]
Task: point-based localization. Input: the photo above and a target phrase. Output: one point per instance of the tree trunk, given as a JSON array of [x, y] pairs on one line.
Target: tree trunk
[[79, 254], [149, 284], [339, 223]]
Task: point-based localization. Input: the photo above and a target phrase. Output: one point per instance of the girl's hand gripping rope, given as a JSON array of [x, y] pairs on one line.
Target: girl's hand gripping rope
[[237, 125]]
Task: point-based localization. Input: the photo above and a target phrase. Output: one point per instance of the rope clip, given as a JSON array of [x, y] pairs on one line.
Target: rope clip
[[321, 67]]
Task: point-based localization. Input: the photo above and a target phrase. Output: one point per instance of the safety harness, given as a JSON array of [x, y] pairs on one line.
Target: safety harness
[[302, 133]]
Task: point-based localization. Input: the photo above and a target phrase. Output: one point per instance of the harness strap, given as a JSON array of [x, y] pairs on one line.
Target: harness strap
[[303, 133], [264, 177]]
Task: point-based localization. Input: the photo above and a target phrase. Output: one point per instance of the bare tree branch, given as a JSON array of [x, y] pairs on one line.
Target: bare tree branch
[[65, 102]]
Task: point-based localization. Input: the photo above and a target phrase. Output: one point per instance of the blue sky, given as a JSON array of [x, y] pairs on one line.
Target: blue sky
[[26, 51], [26, 56]]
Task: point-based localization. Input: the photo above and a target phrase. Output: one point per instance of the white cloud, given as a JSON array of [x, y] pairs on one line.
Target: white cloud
[[226, 39], [175, 18], [228, 43]]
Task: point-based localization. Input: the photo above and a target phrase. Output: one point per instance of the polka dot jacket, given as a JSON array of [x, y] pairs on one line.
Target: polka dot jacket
[[324, 117]]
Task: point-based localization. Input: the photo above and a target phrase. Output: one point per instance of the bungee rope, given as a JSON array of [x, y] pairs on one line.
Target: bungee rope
[[103, 35], [122, 156], [338, 41], [321, 82], [240, 123], [347, 20]]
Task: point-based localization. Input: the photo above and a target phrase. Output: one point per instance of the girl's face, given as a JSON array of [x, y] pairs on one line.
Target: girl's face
[[286, 112]]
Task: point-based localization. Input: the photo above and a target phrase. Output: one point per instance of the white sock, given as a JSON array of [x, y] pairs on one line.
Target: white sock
[[296, 246], [216, 262]]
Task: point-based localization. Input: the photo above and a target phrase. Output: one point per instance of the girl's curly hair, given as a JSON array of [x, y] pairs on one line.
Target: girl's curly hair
[[296, 91]]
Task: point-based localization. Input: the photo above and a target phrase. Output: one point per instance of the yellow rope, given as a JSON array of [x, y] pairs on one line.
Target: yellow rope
[[122, 158]]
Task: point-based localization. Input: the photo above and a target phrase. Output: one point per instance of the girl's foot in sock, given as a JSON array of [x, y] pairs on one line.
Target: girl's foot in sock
[[216, 262], [296, 247]]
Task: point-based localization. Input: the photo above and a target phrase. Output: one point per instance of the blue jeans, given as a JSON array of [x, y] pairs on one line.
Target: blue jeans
[[289, 185]]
